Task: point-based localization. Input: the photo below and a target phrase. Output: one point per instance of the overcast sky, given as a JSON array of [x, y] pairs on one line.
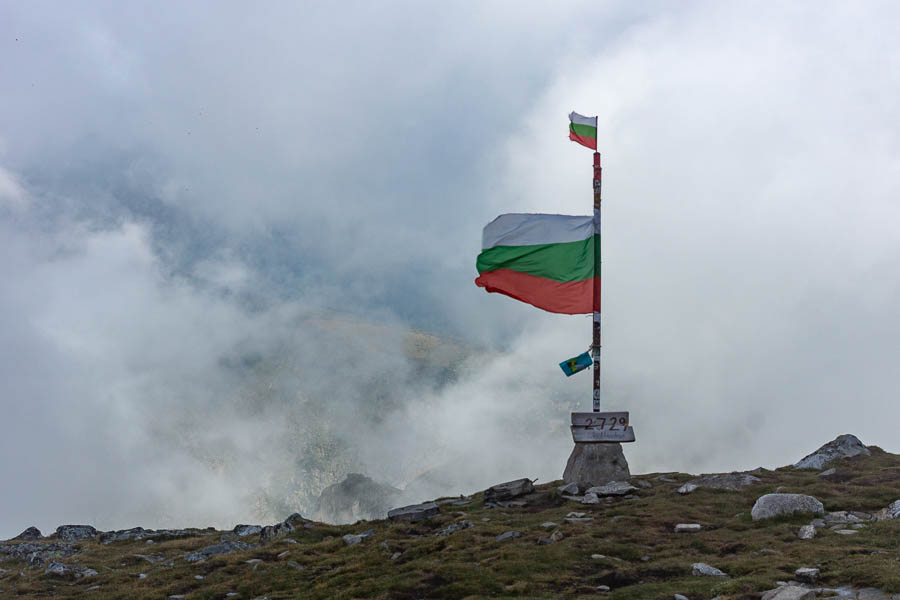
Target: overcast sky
[[180, 184]]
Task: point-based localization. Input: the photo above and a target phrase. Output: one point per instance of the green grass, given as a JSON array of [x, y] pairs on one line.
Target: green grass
[[644, 558]]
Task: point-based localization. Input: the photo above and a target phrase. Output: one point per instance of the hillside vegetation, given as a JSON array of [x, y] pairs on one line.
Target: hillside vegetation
[[627, 544]]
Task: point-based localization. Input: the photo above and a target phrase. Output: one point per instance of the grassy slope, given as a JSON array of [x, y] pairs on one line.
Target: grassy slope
[[471, 564]]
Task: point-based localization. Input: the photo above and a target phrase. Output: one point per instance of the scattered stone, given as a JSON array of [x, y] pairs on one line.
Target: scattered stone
[[142, 576], [70, 571], [454, 527], [506, 536], [778, 505], [872, 594], [215, 550], [598, 556], [817, 523], [93, 588], [843, 446], [245, 530], [680, 597], [556, 536], [841, 516], [198, 577], [576, 515], [789, 592], [828, 472], [32, 533], [643, 483], [75, 533], [176, 597], [283, 554], [645, 558], [687, 488], [36, 555], [807, 532], [665, 479], [253, 561], [231, 595], [396, 555], [549, 524], [731, 482], [846, 531], [590, 498], [294, 565], [613, 488], [603, 588], [509, 490], [596, 464], [858, 526], [688, 527], [578, 519], [704, 570], [889, 513], [414, 512], [570, 489], [807, 574]]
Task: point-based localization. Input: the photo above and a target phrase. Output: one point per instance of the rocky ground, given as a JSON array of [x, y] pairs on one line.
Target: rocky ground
[[827, 527]]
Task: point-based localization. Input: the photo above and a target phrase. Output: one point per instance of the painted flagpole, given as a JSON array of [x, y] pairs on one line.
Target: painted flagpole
[[595, 344]]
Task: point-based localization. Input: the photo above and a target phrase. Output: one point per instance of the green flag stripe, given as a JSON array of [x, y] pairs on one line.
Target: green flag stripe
[[583, 130], [570, 261]]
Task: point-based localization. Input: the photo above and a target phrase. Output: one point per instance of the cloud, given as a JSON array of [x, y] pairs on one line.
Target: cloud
[[218, 227]]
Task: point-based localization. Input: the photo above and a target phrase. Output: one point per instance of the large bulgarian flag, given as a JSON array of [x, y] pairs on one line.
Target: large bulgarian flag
[[583, 130], [549, 261]]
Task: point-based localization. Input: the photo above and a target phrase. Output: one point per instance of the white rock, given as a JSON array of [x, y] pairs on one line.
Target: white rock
[[889, 513], [778, 505], [613, 488], [846, 531], [687, 488], [680, 597], [549, 525], [789, 592], [688, 527], [602, 588], [590, 498], [828, 472], [807, 532], [843, 446], [807, 574], [704, 570]]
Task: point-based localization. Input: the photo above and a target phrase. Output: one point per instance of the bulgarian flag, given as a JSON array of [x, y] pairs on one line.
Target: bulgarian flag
[[583, 130], [549, 261]]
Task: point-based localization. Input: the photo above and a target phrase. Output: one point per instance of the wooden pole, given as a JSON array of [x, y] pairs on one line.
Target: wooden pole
[[595, 344]]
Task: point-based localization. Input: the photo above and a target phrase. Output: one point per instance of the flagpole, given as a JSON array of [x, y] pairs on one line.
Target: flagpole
[[595, 345]]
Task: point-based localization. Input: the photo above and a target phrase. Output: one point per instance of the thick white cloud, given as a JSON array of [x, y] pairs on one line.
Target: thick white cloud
[[187, 192]]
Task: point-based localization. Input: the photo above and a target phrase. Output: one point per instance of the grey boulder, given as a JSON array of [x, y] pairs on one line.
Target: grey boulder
[[613, 488], [508, 535], [216, 550], [509, 490], [71, 571], [596, 464], [889, 513], [807, 532], [414, 512], [704, 570], [781, 505], [32, 533], [789, 592], [75, 533], [843, 446]]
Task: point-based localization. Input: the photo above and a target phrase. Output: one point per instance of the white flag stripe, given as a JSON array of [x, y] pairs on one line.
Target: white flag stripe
[[525, 229], [580, 120]]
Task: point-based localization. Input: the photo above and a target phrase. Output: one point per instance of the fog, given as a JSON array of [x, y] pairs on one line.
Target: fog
[[218, 229]]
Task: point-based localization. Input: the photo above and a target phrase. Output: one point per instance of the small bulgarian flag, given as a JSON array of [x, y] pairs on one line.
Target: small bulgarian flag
[[583, 130]]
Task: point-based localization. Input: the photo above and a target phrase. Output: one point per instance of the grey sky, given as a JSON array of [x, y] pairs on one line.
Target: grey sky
[[182, 186]]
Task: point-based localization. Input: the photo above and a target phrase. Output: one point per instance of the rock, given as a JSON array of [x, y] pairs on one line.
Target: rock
[[576, 515], [454, 527], [643, 483], [590, 498], [807, 574], [843, 446], [807, 532], [778, 505], [294, 565], [817, 523], [508, 535], [356, 497], [846, 531], [789, 592], [680, 597], [549, 524], [687, 488], [841, 516], [556, 536], [351, 539], [613, 488], [578, 519], [34, 554], [70, 571], [598, 556], [75, 533], [414, 512], [688, 527], [509, 490], [704, 570], [245, 530], [889, 513], [596, 464], [731, 482], [32, 533], [217, 549], [828, 472], [603, 588], [570, 489], [872, 594]]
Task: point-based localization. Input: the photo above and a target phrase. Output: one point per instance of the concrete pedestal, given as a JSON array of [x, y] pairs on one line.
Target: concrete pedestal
[[596, 464]]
